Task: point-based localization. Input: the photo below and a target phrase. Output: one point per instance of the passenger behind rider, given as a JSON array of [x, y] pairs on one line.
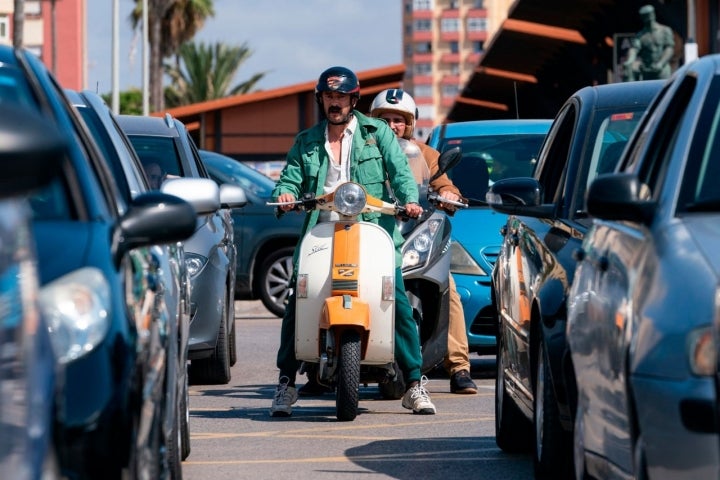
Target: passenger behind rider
[[348, 145], [398, 109]]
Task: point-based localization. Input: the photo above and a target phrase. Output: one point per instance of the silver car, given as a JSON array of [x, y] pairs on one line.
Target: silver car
[[644, 308], [165, 148], [175, 297]]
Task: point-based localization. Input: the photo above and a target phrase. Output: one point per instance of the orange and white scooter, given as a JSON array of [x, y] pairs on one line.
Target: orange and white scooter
[[345, 293]]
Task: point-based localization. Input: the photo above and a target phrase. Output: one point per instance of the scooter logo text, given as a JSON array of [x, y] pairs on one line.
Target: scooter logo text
[[317, 248]]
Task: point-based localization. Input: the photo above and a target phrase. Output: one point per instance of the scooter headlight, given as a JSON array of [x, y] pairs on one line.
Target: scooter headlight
[[350, 199], [416, 250]]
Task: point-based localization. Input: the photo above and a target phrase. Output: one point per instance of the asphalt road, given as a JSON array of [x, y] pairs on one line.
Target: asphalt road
[[233, 436]]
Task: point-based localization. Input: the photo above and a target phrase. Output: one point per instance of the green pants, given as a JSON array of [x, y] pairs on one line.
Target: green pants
[[407, 340]]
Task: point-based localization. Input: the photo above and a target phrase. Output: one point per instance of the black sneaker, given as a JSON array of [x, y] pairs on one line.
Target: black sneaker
[[461, 383], [314, 389]]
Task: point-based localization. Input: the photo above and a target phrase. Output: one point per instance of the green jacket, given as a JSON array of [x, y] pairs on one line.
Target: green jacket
[[376, 157]]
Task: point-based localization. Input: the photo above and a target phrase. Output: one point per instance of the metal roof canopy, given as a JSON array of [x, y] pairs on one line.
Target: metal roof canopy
[[541, 55]]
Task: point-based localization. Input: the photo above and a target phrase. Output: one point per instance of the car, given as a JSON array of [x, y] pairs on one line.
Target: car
[[98, 278], [643, 321], [265, 245], [492, 149], [547, 219], [30, 153], [174, 279], [210, 253]]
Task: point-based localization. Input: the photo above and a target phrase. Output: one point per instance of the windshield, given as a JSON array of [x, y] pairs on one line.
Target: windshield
[[489, 158]]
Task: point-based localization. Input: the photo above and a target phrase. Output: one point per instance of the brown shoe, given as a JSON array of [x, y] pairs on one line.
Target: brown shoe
[[461, 383]]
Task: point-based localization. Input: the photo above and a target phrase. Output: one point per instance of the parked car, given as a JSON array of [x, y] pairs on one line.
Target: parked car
[[210, 253], [174, 297], [643, 320], [98, 281], [31, 152], [534, 270], [264, 244], [492, 149]]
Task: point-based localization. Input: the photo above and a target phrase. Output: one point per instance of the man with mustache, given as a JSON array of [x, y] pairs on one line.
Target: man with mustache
[[349, 146]]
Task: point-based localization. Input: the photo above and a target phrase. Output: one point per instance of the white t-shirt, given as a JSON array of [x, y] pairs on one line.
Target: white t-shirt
[[338, 172]]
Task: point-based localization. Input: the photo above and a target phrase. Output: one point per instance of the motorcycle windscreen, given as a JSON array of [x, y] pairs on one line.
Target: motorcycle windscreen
[[315, 262]]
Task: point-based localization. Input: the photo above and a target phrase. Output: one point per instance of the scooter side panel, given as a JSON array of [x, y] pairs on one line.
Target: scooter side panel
[[377, 259]]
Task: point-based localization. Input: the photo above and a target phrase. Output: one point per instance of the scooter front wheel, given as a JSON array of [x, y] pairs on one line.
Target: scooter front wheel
[[348, 384]]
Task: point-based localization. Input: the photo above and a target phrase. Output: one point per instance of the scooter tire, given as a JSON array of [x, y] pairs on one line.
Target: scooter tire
[[348, 385]]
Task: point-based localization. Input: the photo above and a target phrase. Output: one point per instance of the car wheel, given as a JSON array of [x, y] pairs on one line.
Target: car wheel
[[512, 428], [232, 340], [552, 449], [184, 414], [215, 370], [639, 462], [274, 280], [579, 446]]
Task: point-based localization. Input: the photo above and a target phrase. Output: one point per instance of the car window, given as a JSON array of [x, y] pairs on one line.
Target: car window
[[699, 192], [608, 135], [105, 143], [556, 152], [231, 171], [489, 158], [159, 150]]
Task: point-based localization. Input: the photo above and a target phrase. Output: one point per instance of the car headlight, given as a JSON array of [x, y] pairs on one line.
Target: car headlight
[[77, 309], [462, 262], [195, 263], [350, 199], [419, 245]]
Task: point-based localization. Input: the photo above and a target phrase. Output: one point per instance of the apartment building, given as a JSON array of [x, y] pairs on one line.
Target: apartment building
[[55, 31], [443, 41]]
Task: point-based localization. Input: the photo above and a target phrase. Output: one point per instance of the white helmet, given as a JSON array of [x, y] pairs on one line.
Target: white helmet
[[399, 101]]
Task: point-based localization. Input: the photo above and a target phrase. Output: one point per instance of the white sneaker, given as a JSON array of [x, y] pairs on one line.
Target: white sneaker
[[285, 397], [417, 399]]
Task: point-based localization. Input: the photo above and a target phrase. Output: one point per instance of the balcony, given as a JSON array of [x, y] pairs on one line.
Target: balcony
[[477, 35], [422, 57], [473, 58], [422, 14], [450, 58], [422, 36], [450, 36]]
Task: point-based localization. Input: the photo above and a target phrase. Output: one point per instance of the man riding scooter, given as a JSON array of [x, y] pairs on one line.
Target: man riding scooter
[[348, 145]]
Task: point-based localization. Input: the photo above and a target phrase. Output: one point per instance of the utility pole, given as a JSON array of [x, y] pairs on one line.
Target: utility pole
[[116, 57], [18, 22], [146, 60], [691, 46]]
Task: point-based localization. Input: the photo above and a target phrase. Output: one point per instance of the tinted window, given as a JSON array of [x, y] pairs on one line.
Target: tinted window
[[157, 150], [487, 159]]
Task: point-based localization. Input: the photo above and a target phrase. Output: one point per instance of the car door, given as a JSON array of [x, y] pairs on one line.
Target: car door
[[621, 264]]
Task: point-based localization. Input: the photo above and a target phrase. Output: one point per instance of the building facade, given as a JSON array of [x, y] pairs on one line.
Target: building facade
[[443, 41], [55, 30]]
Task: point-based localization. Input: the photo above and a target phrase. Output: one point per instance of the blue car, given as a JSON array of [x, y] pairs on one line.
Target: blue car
[[492, 150]]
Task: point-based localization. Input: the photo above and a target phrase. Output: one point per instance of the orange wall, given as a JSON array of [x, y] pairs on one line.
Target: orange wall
[[70, 35]]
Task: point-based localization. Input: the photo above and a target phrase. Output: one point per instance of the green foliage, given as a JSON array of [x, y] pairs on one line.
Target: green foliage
[[205, 72], [130, 101]]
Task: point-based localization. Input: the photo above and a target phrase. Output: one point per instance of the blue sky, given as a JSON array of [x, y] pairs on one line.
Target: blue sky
[[292, 40]]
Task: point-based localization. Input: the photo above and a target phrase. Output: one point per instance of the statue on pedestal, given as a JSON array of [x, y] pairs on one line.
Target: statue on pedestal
[[651, 49]]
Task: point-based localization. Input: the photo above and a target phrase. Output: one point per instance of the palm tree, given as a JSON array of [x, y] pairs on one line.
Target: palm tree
[[170, 24], [205, 72]]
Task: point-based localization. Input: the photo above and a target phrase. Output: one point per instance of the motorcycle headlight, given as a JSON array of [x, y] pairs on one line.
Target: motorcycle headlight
[[349, 199], [77, 308], [418, 247]]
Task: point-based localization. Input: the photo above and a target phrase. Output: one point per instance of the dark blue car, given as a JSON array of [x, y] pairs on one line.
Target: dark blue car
[[98, 290]]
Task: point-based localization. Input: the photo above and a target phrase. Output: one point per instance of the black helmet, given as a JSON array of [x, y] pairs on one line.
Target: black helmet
[[338, 79]]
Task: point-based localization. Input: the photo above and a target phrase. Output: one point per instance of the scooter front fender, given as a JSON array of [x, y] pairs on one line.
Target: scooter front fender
[[343, 312]]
